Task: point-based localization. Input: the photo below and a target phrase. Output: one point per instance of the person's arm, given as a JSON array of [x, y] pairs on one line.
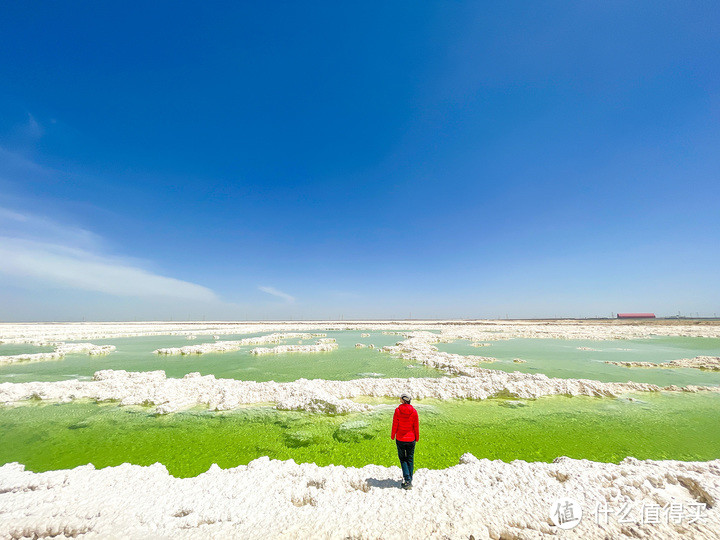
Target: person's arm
[[417, 427], [394, 425]]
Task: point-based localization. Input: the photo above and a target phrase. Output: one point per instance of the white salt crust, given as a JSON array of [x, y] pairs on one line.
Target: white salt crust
[[282, 349], [268, 499], [477, 331], [59, 353], [708, 363], [229, 346], [283, 499], [318, 395]]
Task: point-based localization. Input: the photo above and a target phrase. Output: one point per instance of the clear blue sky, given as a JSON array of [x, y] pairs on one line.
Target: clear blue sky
[[442, 159]]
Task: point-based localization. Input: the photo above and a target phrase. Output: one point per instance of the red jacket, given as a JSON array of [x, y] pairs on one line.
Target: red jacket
[[406, 426]]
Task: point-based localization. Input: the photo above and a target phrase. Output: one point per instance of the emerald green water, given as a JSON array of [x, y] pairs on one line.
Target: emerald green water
[[136, 354], [561, 358], [658, 426], [553, 357], [10, 349]]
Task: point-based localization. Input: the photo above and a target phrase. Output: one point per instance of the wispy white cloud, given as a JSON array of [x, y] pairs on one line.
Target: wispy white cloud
[[32, 128], [273, 291], [36, 249]]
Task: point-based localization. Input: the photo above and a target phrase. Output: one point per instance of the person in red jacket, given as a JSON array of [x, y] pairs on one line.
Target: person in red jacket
[[406, 432]]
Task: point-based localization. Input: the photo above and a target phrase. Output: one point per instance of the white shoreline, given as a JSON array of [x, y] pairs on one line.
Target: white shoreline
[[318, 395], [476, 331], [704, 363], [59, 353], [282, 499], [230, 346]]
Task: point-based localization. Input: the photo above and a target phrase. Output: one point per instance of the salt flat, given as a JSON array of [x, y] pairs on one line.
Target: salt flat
[[486, 499]]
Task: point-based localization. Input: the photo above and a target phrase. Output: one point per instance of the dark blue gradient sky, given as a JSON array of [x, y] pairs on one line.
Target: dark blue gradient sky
[[369, 159]]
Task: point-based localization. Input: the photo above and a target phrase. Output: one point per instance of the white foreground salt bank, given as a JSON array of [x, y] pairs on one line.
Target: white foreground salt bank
[[282, 499]]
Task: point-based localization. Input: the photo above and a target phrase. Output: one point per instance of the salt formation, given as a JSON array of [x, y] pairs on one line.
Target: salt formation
[[84, 348], [470, 382], [364, 335], [282, 499], [59, 353], [34, 357], [477, 331], [170, 395], [230, 346], [281, 349], [418, 348], [709, 363]]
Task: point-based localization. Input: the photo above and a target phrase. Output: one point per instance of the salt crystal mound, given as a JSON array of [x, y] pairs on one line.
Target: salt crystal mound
[[707, 363], [153, 388], [34, 357], [417, 349], [478, 331], [333, 397], [230, 346], [283, 499], [59, 353], [282, 349]]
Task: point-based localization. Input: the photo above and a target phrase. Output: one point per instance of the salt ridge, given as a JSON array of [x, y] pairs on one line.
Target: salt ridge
[[59, 353], [478, 331], [708, 363], [230, 346], [320, 346], [317, 395]]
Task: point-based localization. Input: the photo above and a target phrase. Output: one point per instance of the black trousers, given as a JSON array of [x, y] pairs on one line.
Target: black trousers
[[406, 453]]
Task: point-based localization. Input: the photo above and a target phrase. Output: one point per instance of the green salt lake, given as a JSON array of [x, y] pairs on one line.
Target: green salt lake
[[645, 425], [553, 357], [662, 425], [136, 354], [563, 358]]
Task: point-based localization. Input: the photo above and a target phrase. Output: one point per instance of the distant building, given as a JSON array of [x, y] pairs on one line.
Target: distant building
[[635, 315]]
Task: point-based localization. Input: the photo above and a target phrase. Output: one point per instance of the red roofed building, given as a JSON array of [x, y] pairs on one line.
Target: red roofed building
[[635, 315]]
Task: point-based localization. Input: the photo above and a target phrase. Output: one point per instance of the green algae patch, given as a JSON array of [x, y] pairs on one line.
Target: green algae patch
[[657, 426]]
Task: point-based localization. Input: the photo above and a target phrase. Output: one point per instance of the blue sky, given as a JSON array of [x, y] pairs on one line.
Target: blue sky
[[436, 159]]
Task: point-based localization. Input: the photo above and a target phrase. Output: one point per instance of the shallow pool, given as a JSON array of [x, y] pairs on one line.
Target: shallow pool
[[646, 425], [576, 359], [136, 354]]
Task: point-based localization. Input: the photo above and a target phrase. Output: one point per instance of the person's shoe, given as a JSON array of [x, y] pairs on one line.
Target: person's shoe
[[407, 485], [402, 484]]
